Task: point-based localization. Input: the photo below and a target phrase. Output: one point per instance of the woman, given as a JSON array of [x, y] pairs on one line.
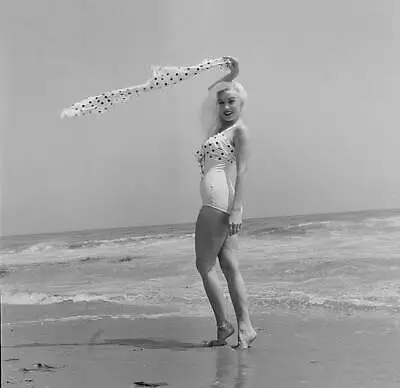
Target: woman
[[220, 217]]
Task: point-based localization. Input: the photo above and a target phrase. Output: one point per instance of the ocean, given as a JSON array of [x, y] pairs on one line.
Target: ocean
[[344, 262]]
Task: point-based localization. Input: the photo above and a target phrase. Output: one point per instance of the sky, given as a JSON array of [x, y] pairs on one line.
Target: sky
[[323, 79]]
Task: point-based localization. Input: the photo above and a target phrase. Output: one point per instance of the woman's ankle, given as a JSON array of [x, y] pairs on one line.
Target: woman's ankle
[[226, 324], [221, 323], [245, 324]]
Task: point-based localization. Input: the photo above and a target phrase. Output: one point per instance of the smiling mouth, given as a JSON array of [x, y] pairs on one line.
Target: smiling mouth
[[228, 114]]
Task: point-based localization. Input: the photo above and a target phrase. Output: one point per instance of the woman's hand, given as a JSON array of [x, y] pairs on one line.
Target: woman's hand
[[233, 65], [235, 222]]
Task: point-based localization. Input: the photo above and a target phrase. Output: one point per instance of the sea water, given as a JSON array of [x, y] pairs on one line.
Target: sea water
[[325, 261]]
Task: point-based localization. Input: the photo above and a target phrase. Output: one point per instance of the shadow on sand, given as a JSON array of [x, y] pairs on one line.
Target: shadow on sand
[[232, 367], [145, 343]]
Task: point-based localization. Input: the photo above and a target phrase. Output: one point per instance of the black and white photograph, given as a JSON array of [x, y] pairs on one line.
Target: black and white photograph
[[200, 194]]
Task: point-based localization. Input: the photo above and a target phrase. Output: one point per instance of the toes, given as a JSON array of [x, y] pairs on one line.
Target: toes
[[245, 340]]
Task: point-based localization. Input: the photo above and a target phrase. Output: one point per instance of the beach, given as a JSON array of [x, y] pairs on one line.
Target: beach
[[111, 308], [293, 349]]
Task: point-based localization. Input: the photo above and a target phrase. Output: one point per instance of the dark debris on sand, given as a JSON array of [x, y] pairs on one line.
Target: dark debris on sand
[[41, 367], [89, 258], [144, 384], [3, 272], [136, 349], [11, 380], [12, 359], [127, 259]]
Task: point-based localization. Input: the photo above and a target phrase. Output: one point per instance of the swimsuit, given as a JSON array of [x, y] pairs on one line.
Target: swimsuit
[[216, 158]]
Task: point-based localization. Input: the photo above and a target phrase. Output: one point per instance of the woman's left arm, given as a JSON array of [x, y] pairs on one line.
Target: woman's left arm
[[242, 146]]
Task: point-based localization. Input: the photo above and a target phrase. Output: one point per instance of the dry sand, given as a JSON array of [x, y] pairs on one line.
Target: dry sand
[[293, 349]]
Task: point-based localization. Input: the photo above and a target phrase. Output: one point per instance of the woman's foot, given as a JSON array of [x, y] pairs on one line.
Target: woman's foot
[[223, 333], [245, 338]]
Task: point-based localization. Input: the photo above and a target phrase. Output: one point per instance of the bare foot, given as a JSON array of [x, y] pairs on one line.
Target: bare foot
[[245, 338], [223, 332]]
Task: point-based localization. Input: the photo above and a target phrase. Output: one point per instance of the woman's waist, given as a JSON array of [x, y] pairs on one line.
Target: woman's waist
[[217, 169], [216, 175]]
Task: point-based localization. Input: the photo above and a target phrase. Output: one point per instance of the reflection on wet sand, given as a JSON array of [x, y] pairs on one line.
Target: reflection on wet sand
[[232, 368]]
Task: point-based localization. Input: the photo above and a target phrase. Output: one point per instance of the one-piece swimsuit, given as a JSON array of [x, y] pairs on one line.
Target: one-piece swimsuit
[[217, 157]]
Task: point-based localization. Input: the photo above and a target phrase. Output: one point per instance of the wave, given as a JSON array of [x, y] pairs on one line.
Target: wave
[[257, 228], [288, 230], [44, 247], [114, 242], [51, 246], [41, 298], [301, 300], [372, 224], [125, 240], [288, 300], [122, 259], [96, 317], [387, 223]]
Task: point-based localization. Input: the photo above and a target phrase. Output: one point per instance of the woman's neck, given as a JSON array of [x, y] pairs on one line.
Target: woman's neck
[[227, 125]]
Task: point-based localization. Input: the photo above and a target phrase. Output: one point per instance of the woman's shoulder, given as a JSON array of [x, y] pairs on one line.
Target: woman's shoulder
[[240, 130], [240, 135]]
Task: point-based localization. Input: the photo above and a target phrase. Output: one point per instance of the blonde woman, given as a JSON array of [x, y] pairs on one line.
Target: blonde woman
[[223, 160]]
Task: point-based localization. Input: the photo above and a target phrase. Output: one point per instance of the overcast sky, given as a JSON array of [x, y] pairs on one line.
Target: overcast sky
[[323, 79]]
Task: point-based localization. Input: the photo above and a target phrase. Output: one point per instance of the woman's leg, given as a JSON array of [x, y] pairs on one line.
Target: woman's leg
[[237, 291], [211, 231]]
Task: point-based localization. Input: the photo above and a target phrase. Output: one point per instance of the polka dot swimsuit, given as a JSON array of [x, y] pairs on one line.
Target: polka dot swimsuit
[[215, 152], [216, 157]]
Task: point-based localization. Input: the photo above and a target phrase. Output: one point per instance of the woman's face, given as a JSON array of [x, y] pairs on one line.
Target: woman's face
[[229, 105]]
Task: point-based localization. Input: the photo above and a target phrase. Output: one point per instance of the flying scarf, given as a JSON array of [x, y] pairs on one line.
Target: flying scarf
[[162, 77]]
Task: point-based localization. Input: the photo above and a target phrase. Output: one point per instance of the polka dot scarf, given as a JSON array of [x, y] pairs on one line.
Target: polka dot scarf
[[162, 78]]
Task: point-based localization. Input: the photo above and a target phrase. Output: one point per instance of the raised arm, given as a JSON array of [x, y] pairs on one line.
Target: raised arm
[[234, 71]]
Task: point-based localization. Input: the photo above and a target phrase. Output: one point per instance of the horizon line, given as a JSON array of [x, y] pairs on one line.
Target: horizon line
[[192, 222]]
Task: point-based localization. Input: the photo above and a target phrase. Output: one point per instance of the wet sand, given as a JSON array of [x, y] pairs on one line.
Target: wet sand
[[293, 349]]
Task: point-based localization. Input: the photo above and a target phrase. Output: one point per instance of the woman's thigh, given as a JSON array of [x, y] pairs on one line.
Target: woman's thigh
[[211, 233]]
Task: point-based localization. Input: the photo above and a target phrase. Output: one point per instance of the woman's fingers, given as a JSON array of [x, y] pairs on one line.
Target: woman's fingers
[[233, 64], [232, 60], [234, 228]]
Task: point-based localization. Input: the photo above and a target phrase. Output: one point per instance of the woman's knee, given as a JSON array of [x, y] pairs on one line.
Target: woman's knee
[[229, 264], [227, 260], [204, 266]]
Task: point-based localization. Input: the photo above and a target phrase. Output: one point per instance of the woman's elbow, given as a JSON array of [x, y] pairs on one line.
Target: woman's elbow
[[242, 170]]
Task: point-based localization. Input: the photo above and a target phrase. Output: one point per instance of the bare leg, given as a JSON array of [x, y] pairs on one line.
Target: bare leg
[[237, 291], [214, 293], [211, 229]]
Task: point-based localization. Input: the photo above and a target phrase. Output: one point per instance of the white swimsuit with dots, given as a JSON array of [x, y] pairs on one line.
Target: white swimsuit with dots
[[216, 158]]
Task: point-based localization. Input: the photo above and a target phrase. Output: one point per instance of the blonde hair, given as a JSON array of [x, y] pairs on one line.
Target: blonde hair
[[209, 118]]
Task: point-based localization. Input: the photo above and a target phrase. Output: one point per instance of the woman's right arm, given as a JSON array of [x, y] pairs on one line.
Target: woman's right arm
[[234, 68]]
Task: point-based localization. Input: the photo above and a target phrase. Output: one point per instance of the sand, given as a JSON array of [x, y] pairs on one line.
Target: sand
[[293, 349]]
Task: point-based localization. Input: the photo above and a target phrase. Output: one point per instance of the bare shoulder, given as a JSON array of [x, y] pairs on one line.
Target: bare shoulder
[[241, 134]]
